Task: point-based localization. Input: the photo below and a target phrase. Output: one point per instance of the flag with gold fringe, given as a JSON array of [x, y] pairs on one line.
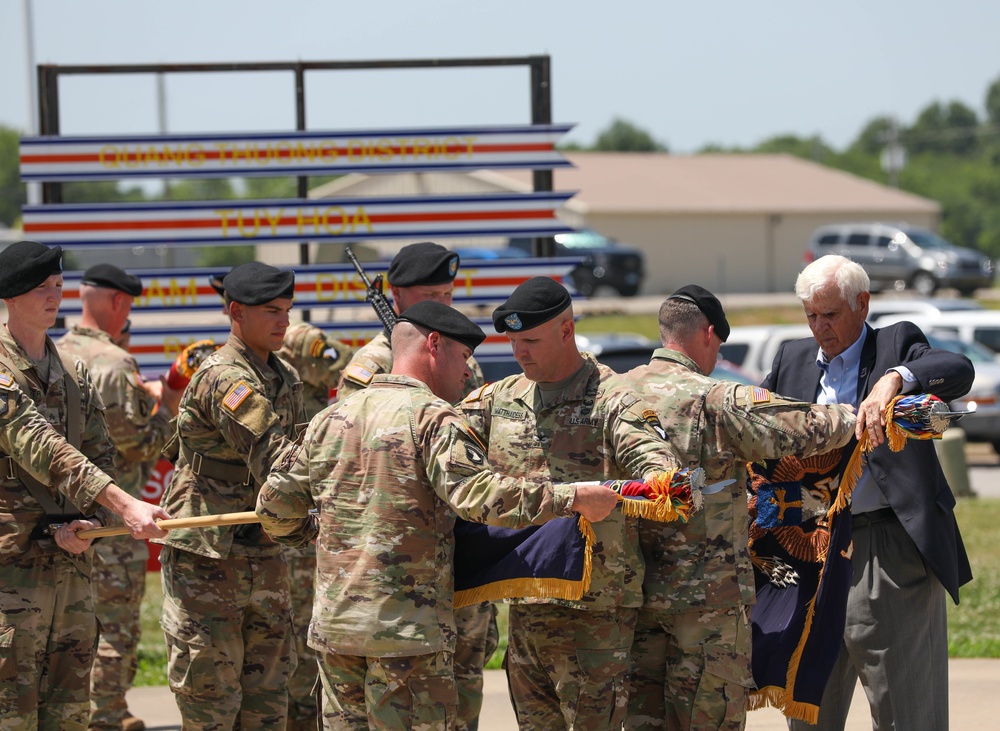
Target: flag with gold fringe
[[803, 570], [554, 560]]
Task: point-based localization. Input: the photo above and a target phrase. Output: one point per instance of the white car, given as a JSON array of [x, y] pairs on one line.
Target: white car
[[884, 306], [975, 326]]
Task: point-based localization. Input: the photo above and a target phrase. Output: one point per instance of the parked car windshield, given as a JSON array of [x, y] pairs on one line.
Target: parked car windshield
[[928, 240], [973, 351], [586, 239]]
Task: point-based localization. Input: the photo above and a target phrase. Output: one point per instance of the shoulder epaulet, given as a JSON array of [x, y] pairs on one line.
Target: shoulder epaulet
[[359, 374]]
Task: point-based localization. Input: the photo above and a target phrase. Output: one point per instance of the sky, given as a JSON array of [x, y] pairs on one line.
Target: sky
[[690, 73]]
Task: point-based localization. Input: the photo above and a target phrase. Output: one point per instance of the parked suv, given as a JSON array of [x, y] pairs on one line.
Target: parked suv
[[606, 262], [903, 256]]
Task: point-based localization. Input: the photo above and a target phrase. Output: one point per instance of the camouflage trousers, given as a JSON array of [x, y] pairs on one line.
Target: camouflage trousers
[[47, 637], [303, 681], [476, 643], [691, 670], [118, 590], [227, 625], [568, 668], [416, 692]]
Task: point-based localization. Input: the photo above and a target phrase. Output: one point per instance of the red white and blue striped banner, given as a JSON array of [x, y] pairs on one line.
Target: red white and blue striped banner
[[156, 348], [346, 219], [324, 285], [291, 153]]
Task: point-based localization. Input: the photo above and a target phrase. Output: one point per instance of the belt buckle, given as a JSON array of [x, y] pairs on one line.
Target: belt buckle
[[196, 463], [11, 469]]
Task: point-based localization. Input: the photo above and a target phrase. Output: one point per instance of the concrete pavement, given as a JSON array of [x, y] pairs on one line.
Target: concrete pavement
[[974, 703]]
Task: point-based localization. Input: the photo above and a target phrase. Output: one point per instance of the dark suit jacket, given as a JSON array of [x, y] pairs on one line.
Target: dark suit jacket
[[911, 480]]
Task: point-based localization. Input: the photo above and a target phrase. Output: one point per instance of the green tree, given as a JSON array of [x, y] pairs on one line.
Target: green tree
[[225, 257], [809, 148], [623, 136], [874, 136], [12, 192], [943, 129], [993, 104]]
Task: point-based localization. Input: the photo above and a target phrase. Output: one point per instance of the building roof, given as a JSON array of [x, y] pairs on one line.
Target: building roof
[[724, 183], [625, 182]]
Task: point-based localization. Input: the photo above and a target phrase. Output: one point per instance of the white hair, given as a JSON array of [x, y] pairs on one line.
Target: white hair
[[832, 270]]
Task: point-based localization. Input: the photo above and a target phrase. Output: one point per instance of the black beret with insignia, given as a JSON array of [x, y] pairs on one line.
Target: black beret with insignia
[[709, 305], [446, 320], [533, 303], [25, 265], [254, 283], [422, 264], [216, 282], [111, 277]]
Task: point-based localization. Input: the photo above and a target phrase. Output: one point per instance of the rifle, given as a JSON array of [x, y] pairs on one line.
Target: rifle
[[374, 296]]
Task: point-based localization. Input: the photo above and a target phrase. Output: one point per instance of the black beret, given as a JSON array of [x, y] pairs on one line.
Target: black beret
[[422, 264], [25, 265], [255, 283], [708, 303], [534, 302], [216, 281], [446, 320], [111, 277]]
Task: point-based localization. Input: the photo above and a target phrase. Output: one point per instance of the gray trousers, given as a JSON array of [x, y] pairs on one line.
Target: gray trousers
[[896, 638]]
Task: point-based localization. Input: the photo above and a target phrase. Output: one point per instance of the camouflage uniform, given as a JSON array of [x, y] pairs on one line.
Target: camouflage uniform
[[388, 469], [138, 430], [692, 640], [305, 347], [46, 612], [477, 624], [567, 661], [226, 612]]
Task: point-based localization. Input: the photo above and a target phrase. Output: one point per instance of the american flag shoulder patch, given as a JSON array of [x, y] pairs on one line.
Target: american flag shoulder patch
[[759, 395], [237, 396], [6, 381]]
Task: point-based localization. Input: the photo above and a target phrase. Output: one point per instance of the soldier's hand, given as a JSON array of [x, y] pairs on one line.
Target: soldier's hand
[[67, 539], [140, 519], [594, 502]]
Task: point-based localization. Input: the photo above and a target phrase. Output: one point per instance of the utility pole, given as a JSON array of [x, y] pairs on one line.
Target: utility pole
[[894, 154], [34, 189]]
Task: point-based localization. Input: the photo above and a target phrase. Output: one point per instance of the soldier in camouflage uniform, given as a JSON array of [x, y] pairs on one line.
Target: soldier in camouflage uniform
[[319, 359], [46, 612], [691, 653], [569, 418], [139, 425], [420, 272], [388, 468], [226, 611]]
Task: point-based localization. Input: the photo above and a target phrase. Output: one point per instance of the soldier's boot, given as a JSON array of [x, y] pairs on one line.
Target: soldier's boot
[[131, 723]]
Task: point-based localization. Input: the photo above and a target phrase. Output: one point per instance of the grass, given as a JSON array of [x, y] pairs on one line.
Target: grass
[[973, 626]]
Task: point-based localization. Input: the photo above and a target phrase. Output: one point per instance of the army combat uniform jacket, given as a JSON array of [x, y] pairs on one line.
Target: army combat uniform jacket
[[720, 426], [307, 348], [20, 512], [594, 429], [388, 469], [237, 413], [137, 429], [42, 452], [376, 357]]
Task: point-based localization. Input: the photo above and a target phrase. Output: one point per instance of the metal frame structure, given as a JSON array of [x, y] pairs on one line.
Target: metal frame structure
[[540, 88]]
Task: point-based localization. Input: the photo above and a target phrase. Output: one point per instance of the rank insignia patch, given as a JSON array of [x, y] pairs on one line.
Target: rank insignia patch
[[237, 396]]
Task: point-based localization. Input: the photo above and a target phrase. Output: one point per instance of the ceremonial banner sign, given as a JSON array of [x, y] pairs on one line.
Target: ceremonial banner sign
[[322, 285], [291, 153], [154, 349], [265, 221]]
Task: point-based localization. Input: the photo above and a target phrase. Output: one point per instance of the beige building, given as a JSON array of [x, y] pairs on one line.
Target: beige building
[[732, 223]]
